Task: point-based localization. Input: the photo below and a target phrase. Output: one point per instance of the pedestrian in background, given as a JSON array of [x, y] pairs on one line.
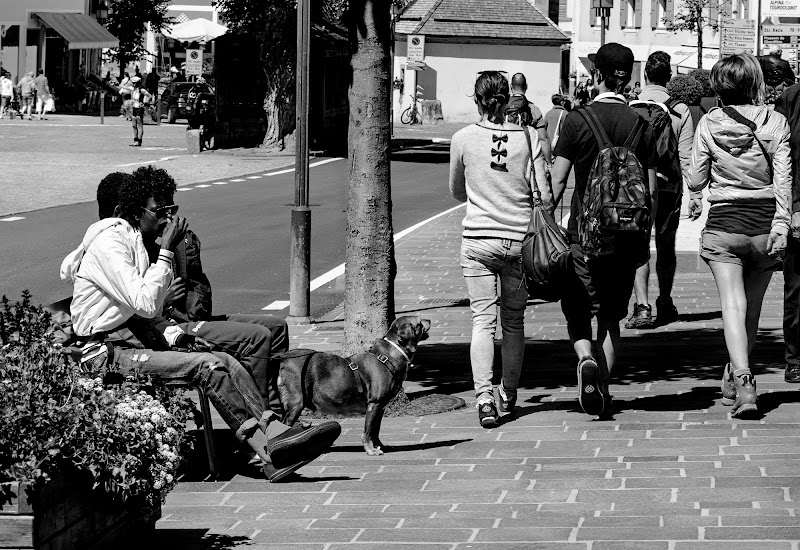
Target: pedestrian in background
[[490, 171], [750, 195], [601, 284], [657, 73], [140, 98], [42, 93], [788, 104], [554, 118], [6, 93], [522, 112], [27, 89], [125, 91]]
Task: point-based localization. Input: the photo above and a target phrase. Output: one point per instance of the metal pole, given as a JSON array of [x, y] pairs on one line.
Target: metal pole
[[102, 107], [758, 29], [602, 26], [299, 285]]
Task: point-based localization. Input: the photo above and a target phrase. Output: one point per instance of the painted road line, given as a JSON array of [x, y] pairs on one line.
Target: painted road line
[[338, 271], [279, 172], [184, 188], [220, 183], [236, 181], [254, 177], [312, 165], [276, 305], [162, 159], [203, 185], [12, 219]]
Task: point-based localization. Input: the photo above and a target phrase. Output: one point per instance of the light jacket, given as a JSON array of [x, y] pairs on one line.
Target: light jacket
[[113, 279], [727, 158], [682, 126]]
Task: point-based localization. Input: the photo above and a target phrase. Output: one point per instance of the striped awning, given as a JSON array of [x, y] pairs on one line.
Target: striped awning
[[80, 31]]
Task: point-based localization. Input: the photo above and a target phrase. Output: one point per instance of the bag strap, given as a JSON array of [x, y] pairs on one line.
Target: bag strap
[[741, 119], [558, 126], [636, 134], [596, 127], [536, 194]]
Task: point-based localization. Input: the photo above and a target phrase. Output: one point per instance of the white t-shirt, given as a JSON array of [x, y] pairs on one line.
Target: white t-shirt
[[6, 87]]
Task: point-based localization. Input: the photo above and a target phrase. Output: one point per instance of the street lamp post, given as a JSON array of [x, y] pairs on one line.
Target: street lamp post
[[299, 269], [101, 11]]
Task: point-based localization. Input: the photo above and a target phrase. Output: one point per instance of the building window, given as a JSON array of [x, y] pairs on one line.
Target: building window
[[741, 9], [661, 13], [630, 19]]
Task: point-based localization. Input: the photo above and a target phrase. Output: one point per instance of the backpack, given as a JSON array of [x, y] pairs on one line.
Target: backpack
[[615, 208], [665, 142], [518, 111]]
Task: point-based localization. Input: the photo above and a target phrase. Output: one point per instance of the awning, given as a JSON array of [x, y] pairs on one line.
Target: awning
[[80, 31], [195, 30], [710, 57]]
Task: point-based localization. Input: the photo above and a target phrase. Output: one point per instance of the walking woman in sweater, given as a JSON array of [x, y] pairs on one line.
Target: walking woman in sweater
[[741, 153], [490, 167]]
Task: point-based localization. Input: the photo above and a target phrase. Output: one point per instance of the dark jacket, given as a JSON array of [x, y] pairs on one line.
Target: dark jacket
[[788, 104], [197, 306]]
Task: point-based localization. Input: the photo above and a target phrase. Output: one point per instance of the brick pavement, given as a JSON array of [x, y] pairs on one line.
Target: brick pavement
[[671, 470]]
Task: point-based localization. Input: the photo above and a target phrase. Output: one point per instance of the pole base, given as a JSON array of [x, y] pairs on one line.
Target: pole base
[[297, 320]]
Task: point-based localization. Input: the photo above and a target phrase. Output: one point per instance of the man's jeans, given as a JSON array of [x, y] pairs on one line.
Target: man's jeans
[[251, 340], [226, 383], [791, 302], [482, 261]]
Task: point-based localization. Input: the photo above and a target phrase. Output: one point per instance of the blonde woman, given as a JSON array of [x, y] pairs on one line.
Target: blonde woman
[[490, 171], [741, 153]]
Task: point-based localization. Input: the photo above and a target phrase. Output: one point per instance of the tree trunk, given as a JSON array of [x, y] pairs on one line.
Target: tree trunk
[[700, 25], [279, 107], [369, 256]]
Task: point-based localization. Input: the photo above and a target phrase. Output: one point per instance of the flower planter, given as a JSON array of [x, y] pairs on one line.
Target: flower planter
[[67, 514]]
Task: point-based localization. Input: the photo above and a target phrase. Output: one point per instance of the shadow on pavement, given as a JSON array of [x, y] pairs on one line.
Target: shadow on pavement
[[428, 153], [196, 539], [399, 448]]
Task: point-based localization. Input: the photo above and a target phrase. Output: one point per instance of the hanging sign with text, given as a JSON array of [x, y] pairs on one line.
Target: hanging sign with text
[[416, 47], [737, 36], [194, 62], [781, 8]]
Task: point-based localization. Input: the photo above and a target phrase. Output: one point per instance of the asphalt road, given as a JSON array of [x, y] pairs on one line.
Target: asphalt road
[[245, 230]]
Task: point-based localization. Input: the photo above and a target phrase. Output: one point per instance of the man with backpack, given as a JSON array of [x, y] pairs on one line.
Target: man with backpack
[[522, 112], [609, 145], [672, 133]]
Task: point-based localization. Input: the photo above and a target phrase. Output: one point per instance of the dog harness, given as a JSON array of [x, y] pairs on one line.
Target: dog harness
[[383, 354]]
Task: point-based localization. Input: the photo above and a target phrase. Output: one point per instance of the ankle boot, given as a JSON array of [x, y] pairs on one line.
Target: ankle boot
[[746, 398]]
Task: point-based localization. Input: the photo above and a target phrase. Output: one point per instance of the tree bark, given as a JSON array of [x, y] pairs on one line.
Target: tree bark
[[369, 256], [700, 25], [279, 108]]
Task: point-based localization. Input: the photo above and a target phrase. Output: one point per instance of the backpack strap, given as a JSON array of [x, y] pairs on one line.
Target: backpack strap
[[741, 119], [671, 102], [596, 127], [636, 134]]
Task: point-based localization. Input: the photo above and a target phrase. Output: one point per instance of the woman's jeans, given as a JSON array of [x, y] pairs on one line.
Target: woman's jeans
[[482, 261]]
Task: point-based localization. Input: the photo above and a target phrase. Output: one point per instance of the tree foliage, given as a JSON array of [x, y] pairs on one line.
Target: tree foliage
[[128, 21], [693, 16]]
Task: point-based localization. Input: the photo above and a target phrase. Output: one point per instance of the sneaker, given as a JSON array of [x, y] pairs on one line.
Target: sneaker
[[276, 475], [642, 317], [506, 405], [590, 394], [487, 414], [728, 387], [666, 312], [792, 374], [299, 444], [746, 398]]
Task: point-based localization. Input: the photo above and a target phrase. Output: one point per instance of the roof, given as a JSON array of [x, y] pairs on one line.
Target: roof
[[514, 21], [81, 31]]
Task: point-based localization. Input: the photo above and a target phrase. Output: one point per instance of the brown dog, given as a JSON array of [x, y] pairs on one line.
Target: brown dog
[[363, 383]]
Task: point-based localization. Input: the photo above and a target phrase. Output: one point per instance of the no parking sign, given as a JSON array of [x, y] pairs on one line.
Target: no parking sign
[[194, 62]]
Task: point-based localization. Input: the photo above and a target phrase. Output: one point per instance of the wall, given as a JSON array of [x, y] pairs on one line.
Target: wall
[[454, 67]]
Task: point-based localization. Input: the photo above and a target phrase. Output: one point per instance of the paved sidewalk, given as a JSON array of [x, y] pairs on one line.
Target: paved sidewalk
[[671, 470]]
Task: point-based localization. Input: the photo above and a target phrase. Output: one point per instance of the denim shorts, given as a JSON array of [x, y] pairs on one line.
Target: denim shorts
[[736, 248]]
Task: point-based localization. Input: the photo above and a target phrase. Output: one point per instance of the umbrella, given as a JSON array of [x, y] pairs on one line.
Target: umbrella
[[195, 30]]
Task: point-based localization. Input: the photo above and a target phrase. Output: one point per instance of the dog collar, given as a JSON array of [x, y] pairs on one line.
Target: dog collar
[[398, 348]]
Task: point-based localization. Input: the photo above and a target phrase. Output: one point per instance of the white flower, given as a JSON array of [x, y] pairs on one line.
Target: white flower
[[155, 418], [169, 478], [157, 485], [147, 426]]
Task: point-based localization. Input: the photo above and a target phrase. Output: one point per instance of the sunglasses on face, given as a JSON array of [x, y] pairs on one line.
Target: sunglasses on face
[[163, 212]]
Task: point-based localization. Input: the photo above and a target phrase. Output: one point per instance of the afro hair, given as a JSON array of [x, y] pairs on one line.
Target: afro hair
[[162, 184], [108, 193]]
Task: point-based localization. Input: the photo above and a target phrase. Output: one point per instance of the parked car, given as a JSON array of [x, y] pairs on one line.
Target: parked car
[[178, 99]]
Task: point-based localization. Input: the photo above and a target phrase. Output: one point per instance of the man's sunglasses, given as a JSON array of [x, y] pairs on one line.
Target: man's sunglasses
[[163, 212]]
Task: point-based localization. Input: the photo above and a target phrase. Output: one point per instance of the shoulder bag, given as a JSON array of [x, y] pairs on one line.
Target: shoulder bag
[[546, 255]]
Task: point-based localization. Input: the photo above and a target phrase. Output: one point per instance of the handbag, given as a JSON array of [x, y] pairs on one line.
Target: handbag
[[49, 105], [546, 258]]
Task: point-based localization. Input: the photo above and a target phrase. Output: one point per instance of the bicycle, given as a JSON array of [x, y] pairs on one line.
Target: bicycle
[[411, 114]]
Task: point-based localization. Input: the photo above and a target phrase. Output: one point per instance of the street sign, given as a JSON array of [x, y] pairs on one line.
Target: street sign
[[781, 8], [737, 36], [194, 62], [416, 47], [780, 30], [795, 39]]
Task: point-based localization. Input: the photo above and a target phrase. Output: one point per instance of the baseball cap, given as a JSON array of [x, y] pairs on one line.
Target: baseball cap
[[614, 59], [135, 79]]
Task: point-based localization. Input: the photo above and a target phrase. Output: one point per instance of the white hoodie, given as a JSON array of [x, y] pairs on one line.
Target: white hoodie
[[113, 279]]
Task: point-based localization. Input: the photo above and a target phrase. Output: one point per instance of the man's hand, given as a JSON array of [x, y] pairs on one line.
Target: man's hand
[[776, 244], [176, 292], [174, 232], [695, 208], [794, 226]]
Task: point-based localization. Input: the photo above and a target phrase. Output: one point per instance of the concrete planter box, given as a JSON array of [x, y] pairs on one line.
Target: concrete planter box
[[68, 515]]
